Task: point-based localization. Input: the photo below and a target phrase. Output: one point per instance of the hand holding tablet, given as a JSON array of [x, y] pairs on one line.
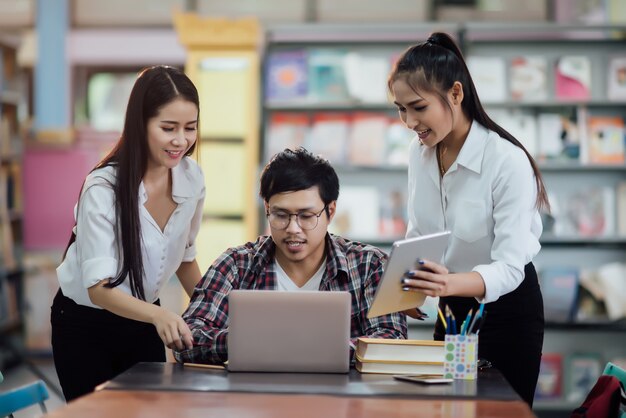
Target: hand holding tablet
[[404, 254]]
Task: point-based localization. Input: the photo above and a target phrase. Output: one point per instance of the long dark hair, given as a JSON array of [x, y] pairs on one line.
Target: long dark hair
[[434, 66], [290, 171], [154, 88]]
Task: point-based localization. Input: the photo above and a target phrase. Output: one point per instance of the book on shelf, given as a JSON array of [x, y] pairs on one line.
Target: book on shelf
[[617, 78], [550, 381], [489, 74], [620, 197], [586, 212], [606, 139], [398, 139], [581, 373], [559, 287], [611, 278], [6, 229], [528, 78], [398, 367], [366, 76], [328, 136], [285, 130], [326, 75], [390, 350], [287, 76], [366, 143], [358, 213], [393, 216], [522, 125], [572, 77]]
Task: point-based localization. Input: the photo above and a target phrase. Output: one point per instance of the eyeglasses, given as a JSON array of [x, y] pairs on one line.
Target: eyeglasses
[[306, 220]]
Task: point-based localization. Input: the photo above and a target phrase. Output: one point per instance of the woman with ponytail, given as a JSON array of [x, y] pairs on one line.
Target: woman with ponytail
[[137, 218], [470, 176]]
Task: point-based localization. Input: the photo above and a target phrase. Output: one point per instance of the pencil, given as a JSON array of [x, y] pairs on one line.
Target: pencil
[[205, 366], [443, 320]]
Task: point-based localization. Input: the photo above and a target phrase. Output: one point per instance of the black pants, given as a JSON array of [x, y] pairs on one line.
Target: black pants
[[91, 346], [512, 335]]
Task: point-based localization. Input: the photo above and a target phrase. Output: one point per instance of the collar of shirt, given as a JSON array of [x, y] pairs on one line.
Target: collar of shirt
[[182, 185], [336, 260]]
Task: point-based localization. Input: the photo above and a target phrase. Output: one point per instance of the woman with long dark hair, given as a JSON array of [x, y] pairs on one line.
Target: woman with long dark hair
[[137, 218], [470, 176]]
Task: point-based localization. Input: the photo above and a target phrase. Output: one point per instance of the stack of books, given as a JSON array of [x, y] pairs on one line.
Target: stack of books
[[388, 356]]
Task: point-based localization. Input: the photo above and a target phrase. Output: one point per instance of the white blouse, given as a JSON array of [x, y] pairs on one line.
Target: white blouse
[[487, 199], [94, 256]]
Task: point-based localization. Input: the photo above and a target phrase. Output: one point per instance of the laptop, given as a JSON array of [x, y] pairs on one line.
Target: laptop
[[278, 331]]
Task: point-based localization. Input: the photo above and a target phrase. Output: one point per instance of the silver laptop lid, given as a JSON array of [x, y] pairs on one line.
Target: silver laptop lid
[[275, 331]]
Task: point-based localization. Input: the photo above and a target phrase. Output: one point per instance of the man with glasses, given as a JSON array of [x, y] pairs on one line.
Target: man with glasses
[[300, 193]]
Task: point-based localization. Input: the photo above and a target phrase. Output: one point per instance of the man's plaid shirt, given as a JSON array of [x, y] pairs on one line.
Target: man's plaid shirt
[[350, 266]]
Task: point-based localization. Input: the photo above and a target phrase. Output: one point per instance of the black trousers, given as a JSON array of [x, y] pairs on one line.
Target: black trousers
[[511, 337], [91, 346]]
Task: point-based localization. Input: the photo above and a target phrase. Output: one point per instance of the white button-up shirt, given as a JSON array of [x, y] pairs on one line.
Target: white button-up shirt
[[95, 255], [487, 199]]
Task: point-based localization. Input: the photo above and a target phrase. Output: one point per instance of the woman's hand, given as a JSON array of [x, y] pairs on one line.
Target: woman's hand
[[172, 329], [430, 278]]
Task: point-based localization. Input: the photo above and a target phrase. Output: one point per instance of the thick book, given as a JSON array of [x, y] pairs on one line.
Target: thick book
[[398, 367], [384, 349]]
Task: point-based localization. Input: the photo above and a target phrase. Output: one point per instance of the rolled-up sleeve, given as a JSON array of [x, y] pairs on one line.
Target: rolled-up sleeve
[[514, 212], [95, 234], [196, 220]]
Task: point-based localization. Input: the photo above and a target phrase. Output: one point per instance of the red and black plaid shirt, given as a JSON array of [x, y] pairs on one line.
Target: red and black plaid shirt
[[350, 266]]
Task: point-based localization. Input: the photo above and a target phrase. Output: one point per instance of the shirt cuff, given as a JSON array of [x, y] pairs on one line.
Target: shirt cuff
[[97, 269], [190, 254], [492, 286]]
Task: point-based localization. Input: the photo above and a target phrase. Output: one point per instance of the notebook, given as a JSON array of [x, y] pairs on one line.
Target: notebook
[[277, 331]]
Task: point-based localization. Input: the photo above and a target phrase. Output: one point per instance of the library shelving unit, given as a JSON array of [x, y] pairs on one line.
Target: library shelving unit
[[223, 61], [324, 88], [13, 110]]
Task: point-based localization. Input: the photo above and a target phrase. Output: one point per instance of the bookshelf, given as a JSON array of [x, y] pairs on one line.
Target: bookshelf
[[295, 112], [224, 62], [13, 111]]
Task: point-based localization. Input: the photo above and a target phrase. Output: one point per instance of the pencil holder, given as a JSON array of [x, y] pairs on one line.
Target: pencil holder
[[461, 356]]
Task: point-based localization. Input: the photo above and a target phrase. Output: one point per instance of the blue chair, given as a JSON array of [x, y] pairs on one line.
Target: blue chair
[[22, 397]]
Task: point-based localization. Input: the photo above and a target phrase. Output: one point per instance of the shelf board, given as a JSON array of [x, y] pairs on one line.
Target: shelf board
[[541, 32], [554, 103], [344, 33], [576, 166], [552, 240], [329, 106]]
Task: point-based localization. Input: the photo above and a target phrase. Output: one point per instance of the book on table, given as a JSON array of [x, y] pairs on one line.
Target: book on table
[[384, 349], [399, 367]]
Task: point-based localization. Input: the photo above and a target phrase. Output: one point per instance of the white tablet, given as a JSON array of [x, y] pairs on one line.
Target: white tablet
[[404, 254]]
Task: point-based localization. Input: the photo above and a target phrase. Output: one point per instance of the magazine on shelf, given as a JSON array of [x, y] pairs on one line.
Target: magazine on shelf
[[559, 286], [581, 373], [489, 75], [326, 74], [550, 382], [617, 78], [287, 78], [366, 76], [605, 139], [528, 78], [366, 143], [285, 130], [358, 213], [328, 136], [572, 75]]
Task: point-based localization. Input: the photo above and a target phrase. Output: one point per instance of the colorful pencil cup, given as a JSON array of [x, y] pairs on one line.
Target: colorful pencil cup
[[461, 356]]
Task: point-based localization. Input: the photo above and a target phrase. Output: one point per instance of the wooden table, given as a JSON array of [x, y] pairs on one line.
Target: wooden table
[[155, 404], [170, 390]]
